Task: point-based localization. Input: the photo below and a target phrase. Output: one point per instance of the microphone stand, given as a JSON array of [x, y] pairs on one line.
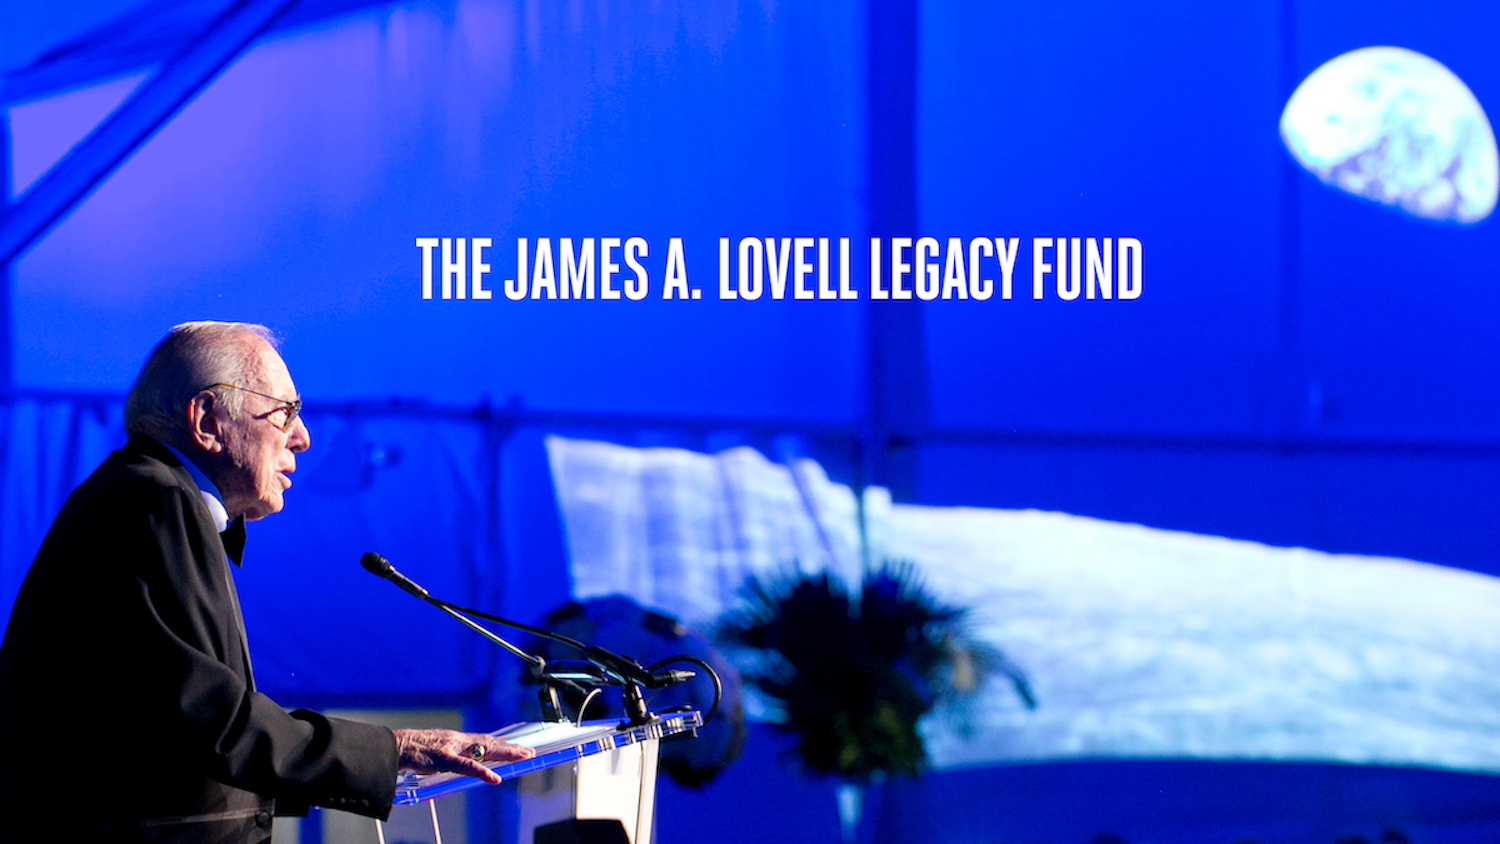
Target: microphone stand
[[632, 677], [547, 694]]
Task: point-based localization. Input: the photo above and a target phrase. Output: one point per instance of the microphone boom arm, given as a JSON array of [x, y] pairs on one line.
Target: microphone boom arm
[[632, 676], [537, 663]]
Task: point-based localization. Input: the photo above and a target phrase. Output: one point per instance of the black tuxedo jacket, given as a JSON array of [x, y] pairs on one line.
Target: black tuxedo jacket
[[127, 709]]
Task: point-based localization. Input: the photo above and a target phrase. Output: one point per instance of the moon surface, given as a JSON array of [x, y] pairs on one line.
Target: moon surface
[[1396, 127], [1140, 643]]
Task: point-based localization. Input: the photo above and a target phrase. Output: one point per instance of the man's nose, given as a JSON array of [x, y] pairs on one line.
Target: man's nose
[[299, 439]]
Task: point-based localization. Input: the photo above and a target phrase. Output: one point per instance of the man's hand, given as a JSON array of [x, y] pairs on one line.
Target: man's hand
[[436, 751]]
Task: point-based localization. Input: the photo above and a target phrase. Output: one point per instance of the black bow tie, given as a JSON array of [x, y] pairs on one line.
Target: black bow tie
[[234, 539]]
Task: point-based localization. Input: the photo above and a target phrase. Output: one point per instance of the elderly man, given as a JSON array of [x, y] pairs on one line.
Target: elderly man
[[128, 707]]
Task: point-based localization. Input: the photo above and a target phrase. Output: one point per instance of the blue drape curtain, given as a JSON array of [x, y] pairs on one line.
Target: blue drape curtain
[[47, 446]]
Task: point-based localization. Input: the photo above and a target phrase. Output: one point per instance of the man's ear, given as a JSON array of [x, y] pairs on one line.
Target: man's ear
[[205, 425]]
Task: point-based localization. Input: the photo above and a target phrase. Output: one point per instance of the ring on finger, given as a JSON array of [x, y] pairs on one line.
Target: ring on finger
[[476, 751]]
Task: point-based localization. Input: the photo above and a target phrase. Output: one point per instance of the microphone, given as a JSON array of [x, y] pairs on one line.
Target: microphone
[[663, 679], [601, 667], [631, 671], [579, 671], [592, 673], [381, 567]]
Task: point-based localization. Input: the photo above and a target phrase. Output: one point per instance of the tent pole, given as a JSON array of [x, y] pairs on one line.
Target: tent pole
[[132, 123], [895, 413], [7, 283]]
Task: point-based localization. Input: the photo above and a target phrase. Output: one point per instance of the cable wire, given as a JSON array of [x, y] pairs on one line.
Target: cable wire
[[585, 705], [712, 675]]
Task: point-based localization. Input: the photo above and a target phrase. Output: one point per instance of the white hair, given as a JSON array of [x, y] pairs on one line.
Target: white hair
[[193, 357]]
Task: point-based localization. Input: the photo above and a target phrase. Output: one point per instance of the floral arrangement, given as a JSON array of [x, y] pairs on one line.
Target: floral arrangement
[[853, 674]]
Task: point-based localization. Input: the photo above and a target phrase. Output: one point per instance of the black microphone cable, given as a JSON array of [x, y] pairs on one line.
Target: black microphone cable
[[713, 676]]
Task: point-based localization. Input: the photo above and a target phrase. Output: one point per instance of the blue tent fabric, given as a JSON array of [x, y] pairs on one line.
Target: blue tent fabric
[[47, 446], [1302, 369]]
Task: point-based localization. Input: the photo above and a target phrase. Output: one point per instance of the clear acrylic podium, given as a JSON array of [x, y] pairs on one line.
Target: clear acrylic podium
[[593, 770]]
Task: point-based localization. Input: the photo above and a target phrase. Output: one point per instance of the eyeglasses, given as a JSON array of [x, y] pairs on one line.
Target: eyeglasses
[[292, 408]]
